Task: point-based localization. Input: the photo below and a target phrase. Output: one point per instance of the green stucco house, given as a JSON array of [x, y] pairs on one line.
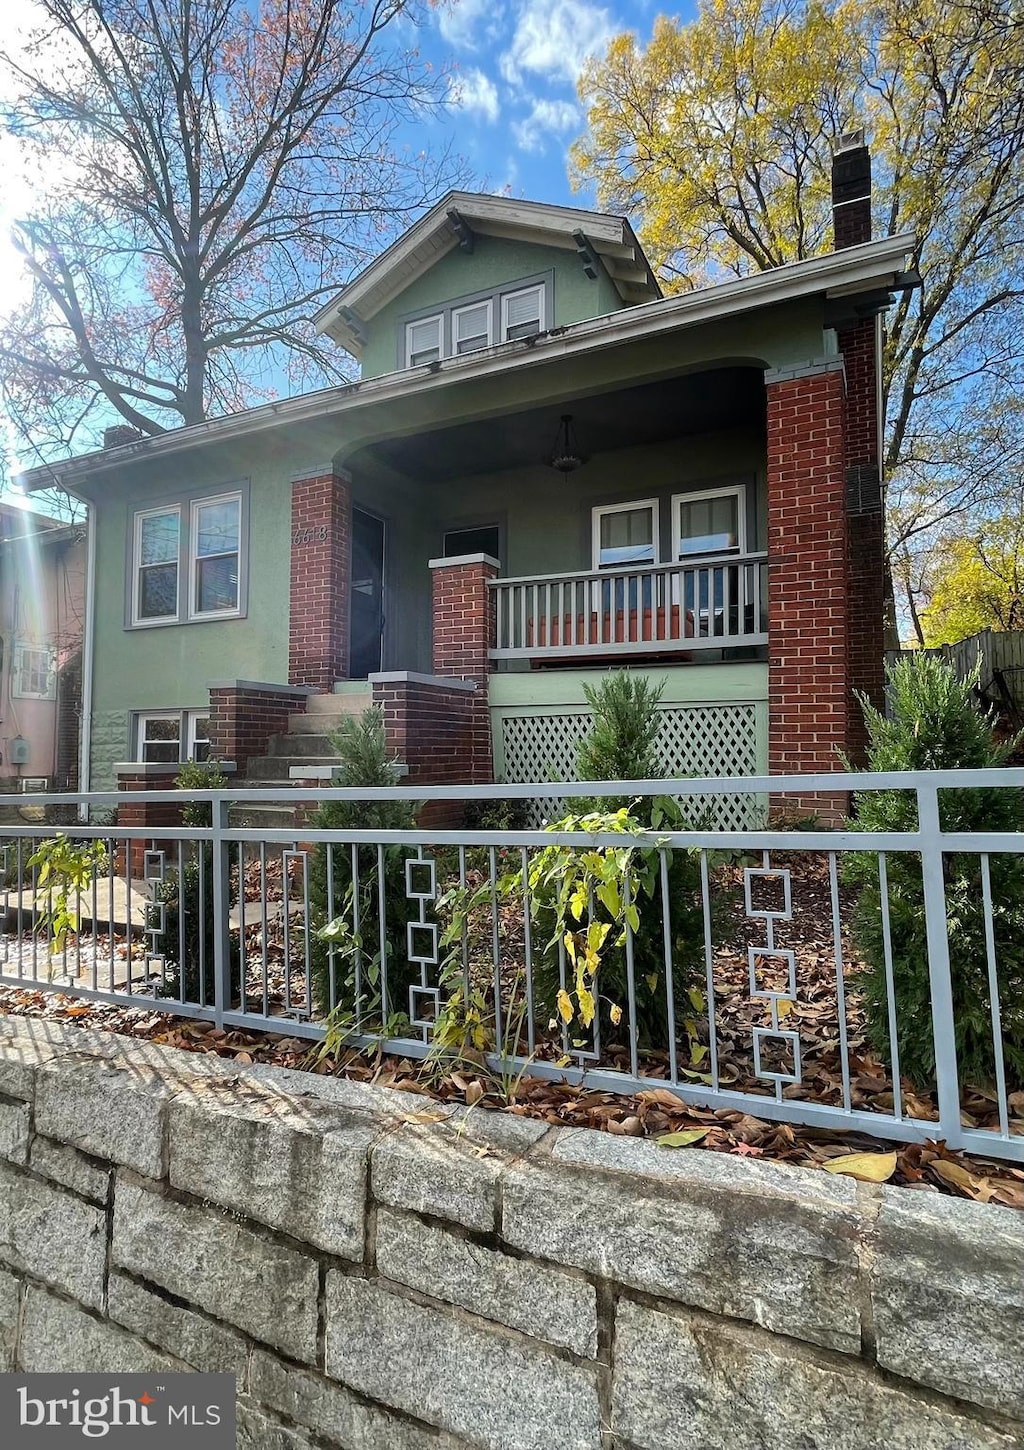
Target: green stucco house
[[547, 469]]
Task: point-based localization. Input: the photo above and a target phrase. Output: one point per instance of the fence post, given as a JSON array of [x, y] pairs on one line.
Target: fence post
[[221, 911], [947, 1081]]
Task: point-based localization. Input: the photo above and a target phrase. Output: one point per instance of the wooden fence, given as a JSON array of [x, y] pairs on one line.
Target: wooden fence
[[1001, 654]]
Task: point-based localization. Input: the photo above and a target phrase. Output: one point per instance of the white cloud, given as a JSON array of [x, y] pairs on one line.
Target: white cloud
[[554, 37], [468, 23], [547, 121], [473, 91]]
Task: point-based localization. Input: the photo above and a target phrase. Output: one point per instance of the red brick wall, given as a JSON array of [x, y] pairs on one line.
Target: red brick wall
[[320, 569], [434, 729], [244, 716], [463, 619], [148, 814], [808, 692], [865, 526]]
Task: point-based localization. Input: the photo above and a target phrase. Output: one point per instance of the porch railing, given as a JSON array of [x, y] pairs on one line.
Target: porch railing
[[735, 984], [703, 604]]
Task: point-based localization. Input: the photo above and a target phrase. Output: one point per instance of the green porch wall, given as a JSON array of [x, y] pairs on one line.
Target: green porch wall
[[493, 263], [546, 517]]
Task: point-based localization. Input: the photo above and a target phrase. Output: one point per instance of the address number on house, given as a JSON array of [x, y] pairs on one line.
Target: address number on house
[[315, 535]]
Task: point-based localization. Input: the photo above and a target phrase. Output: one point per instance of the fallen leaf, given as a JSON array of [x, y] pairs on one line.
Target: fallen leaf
[[682, 1139], [866, 1167]]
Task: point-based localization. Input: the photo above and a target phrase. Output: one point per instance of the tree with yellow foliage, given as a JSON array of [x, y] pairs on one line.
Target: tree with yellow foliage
[[718, 135], [977, 582]]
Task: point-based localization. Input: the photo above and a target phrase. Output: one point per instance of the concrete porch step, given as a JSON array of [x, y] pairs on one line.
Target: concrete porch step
[[351, 702], [301, 742], [276, 767]]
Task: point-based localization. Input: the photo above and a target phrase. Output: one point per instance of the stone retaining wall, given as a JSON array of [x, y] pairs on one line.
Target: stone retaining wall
[[385, 1274]]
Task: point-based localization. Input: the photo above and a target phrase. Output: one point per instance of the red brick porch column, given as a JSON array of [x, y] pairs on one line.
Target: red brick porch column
[[151, 815], [808, 601], [464, 624], [865, 527], [321, 552], [431, 723], [245, 713]]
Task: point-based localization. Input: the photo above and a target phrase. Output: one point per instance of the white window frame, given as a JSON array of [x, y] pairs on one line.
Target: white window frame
[[186, 721], [23, 647], [458, 312], [192, 719], [138, 566], [438, 322], [193, 558], [625, 506], [506, 297], [734, 490]]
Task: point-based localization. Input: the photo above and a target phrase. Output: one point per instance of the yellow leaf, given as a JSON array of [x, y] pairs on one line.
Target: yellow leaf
[[615, 1013], [785, 1007], [570, 946], [586, 1001], [564, 1002], [652, 982], [696, 998], [682, 1139], [867, 1167]]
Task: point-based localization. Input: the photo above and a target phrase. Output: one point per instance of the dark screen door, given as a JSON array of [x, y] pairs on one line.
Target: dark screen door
[[366, 611]]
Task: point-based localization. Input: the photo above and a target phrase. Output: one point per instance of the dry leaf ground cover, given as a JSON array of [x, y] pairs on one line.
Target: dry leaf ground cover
[[656, 1112]]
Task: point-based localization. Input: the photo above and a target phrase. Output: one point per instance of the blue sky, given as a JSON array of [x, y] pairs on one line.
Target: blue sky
[[513, 109]]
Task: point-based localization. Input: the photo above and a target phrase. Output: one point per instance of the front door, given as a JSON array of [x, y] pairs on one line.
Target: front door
[[366, 596]]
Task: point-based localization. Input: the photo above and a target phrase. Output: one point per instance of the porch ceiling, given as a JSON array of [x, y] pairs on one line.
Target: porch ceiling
[[627, 417]]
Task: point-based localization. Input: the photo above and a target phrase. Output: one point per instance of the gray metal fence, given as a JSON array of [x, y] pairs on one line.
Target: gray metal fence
[[851, 980]]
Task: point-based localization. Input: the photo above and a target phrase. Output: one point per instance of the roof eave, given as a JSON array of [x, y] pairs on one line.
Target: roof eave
[[872, 265]]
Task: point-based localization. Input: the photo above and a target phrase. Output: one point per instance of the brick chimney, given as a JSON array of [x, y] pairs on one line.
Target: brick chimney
[[120, 434], [851, 191]]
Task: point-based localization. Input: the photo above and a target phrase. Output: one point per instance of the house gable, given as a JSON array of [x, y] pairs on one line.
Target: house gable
[[458, 266]]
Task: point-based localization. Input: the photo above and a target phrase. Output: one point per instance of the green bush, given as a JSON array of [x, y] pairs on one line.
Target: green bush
[[363, 760], [934, 724], [621, 743]]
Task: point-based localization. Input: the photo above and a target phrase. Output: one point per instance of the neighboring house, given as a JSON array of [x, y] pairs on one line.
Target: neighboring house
[[42, 613], [546, 469]]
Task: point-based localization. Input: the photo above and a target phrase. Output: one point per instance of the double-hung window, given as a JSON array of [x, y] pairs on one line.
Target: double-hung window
[[626, 534], [710, 522], [423, 341], [471, 328], [34, 673], [711, 525], [187, 561], [157, 551], [169, 737], [522, 313], [215, 541]]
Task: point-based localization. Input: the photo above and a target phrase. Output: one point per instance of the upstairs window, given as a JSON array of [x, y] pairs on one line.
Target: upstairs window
[[471, 328], [157, 547], [626, 534], [35, 671], [188, 560], [711, 522], [215, 531], [423, 341], [522, 313]]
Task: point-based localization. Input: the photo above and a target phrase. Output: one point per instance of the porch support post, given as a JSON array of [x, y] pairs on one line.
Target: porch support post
[[463, 630], [808, 598], [321, 555], [859, 345]]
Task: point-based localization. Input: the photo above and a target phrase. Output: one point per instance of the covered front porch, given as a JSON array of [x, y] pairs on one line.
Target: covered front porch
[[635, 531]]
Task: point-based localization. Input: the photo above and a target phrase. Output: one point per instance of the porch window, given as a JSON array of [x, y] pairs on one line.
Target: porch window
[[710, 522], [471, 327], [34, 675], [626, 534], [171, 737], [522, 313], [157, 546], [482, 540], [215, 536], [423, 341]]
